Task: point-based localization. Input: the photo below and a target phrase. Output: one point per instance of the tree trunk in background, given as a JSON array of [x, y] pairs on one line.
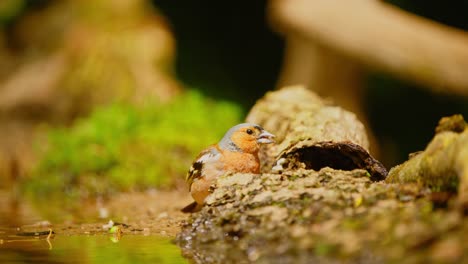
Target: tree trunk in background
[[328, 74], [382, 37]]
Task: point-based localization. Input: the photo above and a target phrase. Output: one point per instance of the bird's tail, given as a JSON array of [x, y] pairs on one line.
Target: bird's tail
[[192, 208]]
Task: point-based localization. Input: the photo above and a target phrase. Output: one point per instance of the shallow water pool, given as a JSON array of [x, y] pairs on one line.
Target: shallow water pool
[[87, 249]]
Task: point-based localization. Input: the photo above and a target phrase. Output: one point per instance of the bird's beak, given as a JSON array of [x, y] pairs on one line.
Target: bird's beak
[[265, 137]]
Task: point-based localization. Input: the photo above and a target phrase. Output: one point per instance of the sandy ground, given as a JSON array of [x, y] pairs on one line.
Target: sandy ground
[[146, 213], [154, 212]]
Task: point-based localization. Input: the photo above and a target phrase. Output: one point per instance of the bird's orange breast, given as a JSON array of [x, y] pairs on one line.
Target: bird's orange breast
[[241, 162]]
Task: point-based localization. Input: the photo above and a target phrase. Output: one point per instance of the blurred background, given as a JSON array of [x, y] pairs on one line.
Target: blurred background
[[124, 93]]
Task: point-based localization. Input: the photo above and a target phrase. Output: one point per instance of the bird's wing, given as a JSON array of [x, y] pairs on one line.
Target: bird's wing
[[209, 155]]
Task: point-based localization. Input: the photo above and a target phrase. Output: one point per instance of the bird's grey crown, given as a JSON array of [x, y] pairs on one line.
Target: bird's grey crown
[[226, 142]]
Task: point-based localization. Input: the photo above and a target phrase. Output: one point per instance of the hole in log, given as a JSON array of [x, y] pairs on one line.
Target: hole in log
[[316, 158], [341, 156]]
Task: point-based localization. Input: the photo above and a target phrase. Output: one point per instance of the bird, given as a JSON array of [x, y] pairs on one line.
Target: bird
[[237, 151]]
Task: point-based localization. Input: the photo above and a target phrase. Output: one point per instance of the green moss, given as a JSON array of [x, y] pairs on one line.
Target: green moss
[[324, 249], [294, 177], [122, 147], [352, 223]]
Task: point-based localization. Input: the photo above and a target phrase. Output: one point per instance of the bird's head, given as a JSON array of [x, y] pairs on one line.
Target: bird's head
[[246, 137]]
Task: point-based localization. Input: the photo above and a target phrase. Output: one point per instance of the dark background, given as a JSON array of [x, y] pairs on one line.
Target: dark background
[[227, 49]]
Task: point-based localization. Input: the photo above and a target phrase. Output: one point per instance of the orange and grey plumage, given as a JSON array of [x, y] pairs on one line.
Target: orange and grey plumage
[[237, 151]]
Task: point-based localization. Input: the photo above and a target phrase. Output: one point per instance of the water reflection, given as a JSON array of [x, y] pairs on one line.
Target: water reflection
[[87, 242], [87, 249]]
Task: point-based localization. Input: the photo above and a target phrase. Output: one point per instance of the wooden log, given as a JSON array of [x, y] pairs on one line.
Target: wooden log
[[290, 216], [312, 133]]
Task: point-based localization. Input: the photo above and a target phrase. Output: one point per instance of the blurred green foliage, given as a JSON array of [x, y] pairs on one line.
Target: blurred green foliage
[[9, 9], [121, 147]]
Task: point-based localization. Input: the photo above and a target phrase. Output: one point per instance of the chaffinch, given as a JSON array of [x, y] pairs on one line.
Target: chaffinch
[[236, 152]]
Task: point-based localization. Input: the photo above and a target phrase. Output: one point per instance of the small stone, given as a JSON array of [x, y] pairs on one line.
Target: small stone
[[44, 223], [107, 226], [163, 215]]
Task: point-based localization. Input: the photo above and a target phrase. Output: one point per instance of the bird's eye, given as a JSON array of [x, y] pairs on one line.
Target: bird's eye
[[249, 131]]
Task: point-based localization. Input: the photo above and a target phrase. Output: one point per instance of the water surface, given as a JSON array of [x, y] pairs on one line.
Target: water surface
[[80, 240], [87, 249]]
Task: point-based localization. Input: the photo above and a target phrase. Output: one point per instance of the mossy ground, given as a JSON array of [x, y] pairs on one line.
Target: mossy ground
[[122, 147]]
